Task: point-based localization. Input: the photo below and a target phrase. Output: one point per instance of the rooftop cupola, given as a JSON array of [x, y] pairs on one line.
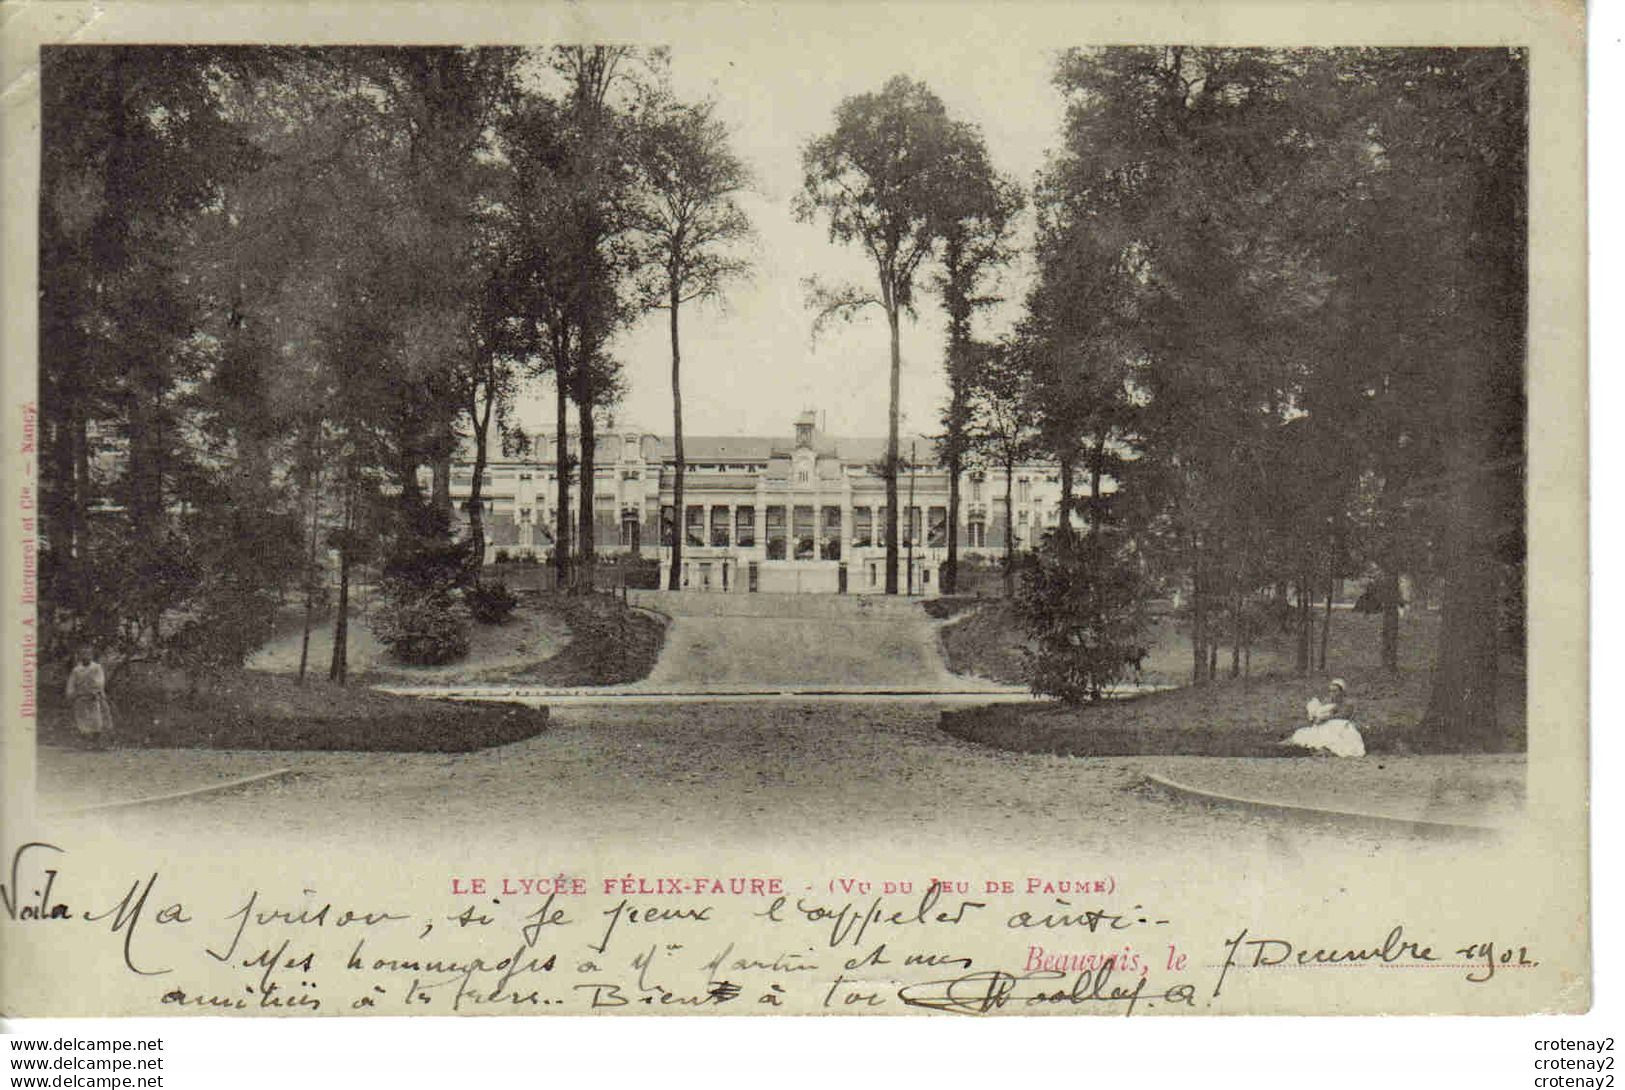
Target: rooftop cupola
[[806, 424]]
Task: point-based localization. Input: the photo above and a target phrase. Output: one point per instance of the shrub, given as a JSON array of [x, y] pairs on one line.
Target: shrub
[[428, 568], [489, 601], [502, 556], [420, 629], [1084, 609]]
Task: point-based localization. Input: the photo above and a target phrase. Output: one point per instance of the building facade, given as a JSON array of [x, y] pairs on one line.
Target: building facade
[[803, 512]]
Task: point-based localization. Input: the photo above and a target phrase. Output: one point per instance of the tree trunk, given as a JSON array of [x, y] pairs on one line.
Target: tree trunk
[[586, 484], [339, 668], [1198, 613], [892, 426], [949, 579], [674, 580], [440, 489], [1388, 577], [1331, 587], [1303, 626], [1068, 469], [1484, 514], [1236, 627], [1389, 583], [1461, 710], [561, 456], [314, 500], [1097, 497], [1009, 527], [1326, 620], [81, 492], [480, 416]]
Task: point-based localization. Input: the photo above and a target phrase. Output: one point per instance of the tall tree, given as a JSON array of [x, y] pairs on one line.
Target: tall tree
[[885, 177], [1476, 133], [690, 217], [976, 241], [1001, 431], [134, 147], [604, 258]]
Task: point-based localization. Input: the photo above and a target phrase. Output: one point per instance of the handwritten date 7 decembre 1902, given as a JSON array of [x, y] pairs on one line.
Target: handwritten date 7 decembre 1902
[[568, 951]]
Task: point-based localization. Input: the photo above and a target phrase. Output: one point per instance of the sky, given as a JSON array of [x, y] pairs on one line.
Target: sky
[[750, 364]]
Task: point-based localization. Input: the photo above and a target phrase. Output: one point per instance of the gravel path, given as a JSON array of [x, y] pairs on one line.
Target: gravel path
[[70, 778], [802, 778], [721, 642], [1472, 790]]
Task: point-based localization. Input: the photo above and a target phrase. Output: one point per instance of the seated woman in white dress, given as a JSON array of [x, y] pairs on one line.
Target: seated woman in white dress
[[1331, 726]]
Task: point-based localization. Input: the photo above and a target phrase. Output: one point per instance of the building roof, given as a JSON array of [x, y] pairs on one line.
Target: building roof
[[719, 448], [764, 448]]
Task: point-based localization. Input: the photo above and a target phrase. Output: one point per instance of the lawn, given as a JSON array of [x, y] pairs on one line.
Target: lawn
[[244, 709], [551, 639], [610, 642], [1231, 717]]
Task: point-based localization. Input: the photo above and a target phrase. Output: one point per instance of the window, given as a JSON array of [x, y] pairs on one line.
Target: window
[[1024, 490], [863, 526], [829, 544], [911, 532], [801, 476], [938, 528], [694, 525], [806, 546], [976, 533], [629, 530], [775, 533], [745, 526], [719, 527], [976, 480], [667, 524]]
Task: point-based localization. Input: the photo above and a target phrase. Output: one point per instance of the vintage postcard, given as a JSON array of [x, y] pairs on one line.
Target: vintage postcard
[[788, 508]]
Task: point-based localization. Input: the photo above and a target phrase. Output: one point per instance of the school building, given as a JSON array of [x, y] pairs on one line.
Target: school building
[[801, 512]]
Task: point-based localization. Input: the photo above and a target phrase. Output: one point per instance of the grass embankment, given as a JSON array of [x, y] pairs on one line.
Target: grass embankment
[[610, 642], [245, 709], [1230, 717], [265, 708], [551, 639]]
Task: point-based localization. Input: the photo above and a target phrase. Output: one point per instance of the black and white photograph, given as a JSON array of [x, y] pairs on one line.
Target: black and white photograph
[[639, 523]]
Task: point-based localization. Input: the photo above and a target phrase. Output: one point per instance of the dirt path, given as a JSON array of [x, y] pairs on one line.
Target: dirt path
[[763, 641], [809, 776]]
